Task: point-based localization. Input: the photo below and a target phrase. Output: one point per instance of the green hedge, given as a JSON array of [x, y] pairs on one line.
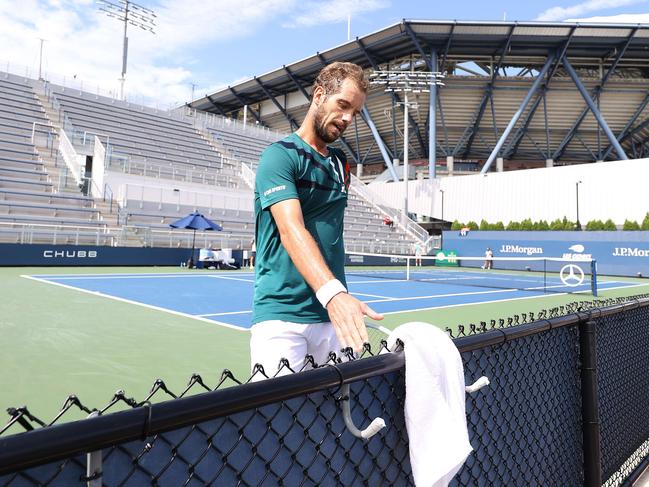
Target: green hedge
[[556, 225]]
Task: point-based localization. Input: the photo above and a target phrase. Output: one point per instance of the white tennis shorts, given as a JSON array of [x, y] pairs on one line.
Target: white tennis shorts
[[272, 340]]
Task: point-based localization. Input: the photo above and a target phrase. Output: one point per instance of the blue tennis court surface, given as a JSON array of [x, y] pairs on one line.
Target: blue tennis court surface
[[225, 298]]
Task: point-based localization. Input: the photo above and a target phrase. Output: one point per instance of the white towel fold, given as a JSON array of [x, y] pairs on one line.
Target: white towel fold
[[435, 408]]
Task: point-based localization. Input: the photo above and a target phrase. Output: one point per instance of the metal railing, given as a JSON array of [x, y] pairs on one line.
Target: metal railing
[[205, 120], [181, 197], [70, 157], [248, 176], [34, 233], [373, 247], [142, 167], [408, 225], [174, 238]]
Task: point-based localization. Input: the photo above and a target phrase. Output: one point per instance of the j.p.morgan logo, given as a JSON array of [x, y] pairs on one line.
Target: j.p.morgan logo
[[70, 254], [630, 252], [517, 249]]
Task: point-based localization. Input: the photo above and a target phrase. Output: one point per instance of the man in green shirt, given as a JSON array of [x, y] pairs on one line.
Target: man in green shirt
[[301, 305]]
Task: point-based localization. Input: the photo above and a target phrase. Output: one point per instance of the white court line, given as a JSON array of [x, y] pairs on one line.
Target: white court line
[[231, 278], [387, 298], [411, 298], [500, 300], [227, 313], [137, 303], [378, 282], [121, 276]]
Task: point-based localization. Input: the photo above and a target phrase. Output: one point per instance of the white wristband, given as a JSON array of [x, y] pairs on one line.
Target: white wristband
[[328, 291]]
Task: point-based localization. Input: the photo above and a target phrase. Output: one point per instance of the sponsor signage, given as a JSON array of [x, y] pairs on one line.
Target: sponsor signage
[[519, 249], [69, 254], [620, 253], [446, 258], [85, 255], [630, 252]]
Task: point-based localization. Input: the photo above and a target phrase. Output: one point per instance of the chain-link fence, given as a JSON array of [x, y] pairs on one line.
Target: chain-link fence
[[560, 380]]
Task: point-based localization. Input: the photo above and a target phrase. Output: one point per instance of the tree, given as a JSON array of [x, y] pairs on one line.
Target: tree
[[498, 226], [527, 225], [556, 225], [485, 225], [645, 222], [610, 226], [567, 224], [594, 225], [513, 226], [473, 225], [456, 225], [631, 225]]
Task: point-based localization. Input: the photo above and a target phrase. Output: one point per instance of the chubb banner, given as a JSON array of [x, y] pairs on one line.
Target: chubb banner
[[85, 255], [620, 253]]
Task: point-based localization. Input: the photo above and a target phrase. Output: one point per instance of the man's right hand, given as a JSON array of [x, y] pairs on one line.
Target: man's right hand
[[347, 316]]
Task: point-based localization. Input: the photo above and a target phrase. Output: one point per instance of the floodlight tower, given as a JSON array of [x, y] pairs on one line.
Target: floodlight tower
[[406, 82], [129, 13]]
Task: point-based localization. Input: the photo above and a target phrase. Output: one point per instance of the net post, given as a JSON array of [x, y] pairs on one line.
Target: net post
[[545, 275], [593, 277]]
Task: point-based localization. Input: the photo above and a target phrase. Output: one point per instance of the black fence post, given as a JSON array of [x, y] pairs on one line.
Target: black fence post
[[590, 404]]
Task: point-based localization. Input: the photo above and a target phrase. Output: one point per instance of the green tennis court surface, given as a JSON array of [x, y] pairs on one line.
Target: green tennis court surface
[[58, 340]]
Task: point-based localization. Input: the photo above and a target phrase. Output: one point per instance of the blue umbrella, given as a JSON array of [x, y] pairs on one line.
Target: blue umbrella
[[195, 221]]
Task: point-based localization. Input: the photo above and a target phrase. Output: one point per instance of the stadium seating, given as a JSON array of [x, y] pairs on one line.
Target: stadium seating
[[155, 145], [144, 141], [244, 147], [33, 208]]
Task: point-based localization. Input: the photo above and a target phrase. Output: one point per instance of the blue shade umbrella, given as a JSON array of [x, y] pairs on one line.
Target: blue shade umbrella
[[195, 221]]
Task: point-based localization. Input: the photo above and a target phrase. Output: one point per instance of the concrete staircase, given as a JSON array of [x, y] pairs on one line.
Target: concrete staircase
[[59, 173]]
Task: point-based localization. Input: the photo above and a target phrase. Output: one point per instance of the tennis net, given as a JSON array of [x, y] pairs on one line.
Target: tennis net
[[536, 274]]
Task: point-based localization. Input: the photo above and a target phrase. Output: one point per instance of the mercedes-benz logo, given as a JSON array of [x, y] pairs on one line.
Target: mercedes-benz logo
[[571, 275]]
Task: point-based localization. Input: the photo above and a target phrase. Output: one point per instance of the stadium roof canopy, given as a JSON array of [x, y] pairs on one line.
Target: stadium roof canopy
[[490, 72]]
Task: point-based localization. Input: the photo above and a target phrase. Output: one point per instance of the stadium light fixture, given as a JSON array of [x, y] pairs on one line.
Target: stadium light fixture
[[406, 82], [129, 13]]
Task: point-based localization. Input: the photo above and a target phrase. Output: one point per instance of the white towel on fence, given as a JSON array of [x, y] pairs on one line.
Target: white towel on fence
[[435, 404]]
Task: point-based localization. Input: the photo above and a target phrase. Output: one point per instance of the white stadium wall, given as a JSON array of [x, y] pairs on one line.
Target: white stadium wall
[[133, 187], [618, 190]]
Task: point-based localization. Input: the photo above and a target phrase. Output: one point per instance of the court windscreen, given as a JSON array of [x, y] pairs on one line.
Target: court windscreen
[[539, 274]]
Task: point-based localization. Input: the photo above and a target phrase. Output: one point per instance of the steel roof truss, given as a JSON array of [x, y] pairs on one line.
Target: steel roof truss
[[626, 131], [367, 118], [533, 89], [291, 120], [244, 103], [512, 147], [367, 153], [488, 93], [216, 105], [593, 108], [598, 89], [297, 83]]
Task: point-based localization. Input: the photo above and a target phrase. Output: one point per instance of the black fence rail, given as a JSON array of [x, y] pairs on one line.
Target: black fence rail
[[568, 405]]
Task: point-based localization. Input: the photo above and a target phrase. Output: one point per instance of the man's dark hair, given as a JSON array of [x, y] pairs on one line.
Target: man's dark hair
[[331, 77]]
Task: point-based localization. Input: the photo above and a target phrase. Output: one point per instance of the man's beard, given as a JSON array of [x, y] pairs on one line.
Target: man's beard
[[321, 128]]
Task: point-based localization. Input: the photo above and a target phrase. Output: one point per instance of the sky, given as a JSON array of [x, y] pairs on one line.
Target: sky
[[202, 45]]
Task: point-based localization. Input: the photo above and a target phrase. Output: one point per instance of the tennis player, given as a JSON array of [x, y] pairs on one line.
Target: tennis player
[[301, 304]]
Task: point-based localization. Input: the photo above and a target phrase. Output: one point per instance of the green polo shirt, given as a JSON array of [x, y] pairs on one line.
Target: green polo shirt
[[292, 169]]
